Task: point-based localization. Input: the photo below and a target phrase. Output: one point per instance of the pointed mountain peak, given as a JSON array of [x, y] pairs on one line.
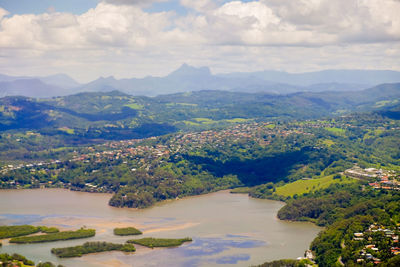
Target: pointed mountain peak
[[190, 71]]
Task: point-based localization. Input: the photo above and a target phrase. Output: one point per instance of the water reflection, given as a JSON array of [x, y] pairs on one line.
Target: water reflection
[[227, 229], [212, 246]]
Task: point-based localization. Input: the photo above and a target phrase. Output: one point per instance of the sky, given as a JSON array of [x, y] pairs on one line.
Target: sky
[[87, 39]]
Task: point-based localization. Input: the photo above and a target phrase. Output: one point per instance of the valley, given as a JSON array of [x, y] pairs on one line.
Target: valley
[[311, 148]]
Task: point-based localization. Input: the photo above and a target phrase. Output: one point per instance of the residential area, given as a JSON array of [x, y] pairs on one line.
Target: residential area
[[379, 178], [377, 241]]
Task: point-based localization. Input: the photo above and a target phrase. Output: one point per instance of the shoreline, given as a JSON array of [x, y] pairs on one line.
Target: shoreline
[[163, 202], [158, 203], [46, 188], [157, 222]]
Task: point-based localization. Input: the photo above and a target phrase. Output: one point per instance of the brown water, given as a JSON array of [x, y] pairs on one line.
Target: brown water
[[227, 229]]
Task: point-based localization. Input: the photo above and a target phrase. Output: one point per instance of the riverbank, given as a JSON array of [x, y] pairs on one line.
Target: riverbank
[[225, 227]]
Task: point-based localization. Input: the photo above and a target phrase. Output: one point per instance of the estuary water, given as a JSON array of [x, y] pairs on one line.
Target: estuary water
[[227, 229]]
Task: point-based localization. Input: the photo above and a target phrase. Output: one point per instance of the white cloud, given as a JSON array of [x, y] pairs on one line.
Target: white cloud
[[105, 25], [119, 36], [262, 14], [142, 3], [350, 21], [304, 22], [3, 12], [199, 5], [254, 23]]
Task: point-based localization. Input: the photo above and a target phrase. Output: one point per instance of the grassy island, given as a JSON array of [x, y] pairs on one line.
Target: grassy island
[[15, 260], [159, 242], [91, 247], [22, 230], [127, 231], [19, 260], [67, 235], [17, 230], [48, 230]]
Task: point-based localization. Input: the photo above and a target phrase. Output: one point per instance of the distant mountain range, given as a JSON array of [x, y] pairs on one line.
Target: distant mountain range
[[42, 87], [190, 79]]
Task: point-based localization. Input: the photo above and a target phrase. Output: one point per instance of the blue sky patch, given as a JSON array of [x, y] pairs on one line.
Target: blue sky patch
[[42, 6]]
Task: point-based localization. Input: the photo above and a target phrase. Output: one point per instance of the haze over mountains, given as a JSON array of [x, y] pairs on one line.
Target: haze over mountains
[[188, 79]]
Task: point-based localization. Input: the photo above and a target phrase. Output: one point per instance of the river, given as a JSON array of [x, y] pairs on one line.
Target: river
[[227, 229]]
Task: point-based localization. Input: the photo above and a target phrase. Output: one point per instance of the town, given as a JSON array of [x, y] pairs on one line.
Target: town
[[377, 240], [140, 152], [382, 179]]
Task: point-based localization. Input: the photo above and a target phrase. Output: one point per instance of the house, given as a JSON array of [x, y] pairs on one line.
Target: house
[[309, 255]]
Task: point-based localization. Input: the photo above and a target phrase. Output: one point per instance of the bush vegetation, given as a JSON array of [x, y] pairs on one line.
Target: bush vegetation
[[159, 242], [127, 231], [48, 264], [67, 235], [10, 260], [17, 230], [91, 247], [48, 230], [345, 210], [286, 263], [22, 230]]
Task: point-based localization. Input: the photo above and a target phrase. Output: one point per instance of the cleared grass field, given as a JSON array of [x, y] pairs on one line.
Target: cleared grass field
[[304, 186], [238, 120], [373, 133], [191, 123], [134, 106], [336, 131], [380, 104], [204, 120], [66, 130], [328, 142]]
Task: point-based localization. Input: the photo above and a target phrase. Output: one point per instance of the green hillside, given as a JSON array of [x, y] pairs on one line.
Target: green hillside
[[305, 186], [115, 115]]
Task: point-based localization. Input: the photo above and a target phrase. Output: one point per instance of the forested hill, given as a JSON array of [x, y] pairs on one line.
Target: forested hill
[[115, 115]]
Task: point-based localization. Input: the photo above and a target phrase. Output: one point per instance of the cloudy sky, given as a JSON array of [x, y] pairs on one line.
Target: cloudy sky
[[134, 38]]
